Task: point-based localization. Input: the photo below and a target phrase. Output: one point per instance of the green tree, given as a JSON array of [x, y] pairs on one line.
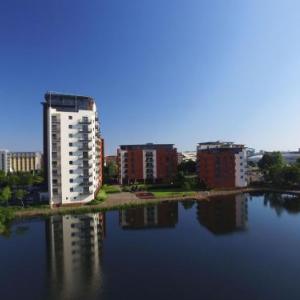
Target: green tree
[[3, 179], [271, 165], [25, 179], [269, 160], [20, 195], [5, 195], [187, 167], [13, 180], [112, 169], [6, 217], [38, 179]]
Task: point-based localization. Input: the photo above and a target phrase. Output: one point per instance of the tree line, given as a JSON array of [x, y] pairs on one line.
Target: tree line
[[279, 173], [15, 185]]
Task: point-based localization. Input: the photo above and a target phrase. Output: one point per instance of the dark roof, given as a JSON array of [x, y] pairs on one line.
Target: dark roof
[[146, 146], [68, 102]]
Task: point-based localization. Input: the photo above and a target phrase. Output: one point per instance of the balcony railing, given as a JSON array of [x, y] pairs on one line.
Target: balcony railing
[[85, 122], [85, 130], [85, 148]]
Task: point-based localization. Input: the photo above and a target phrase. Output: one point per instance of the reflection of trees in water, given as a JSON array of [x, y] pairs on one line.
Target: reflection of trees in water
[[6, 217], [188, 204], [282, 202]]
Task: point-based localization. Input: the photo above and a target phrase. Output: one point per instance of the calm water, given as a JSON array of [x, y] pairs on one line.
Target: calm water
[[237, 247]]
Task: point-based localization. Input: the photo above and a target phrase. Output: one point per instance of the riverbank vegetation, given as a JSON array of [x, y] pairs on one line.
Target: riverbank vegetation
[[104, 192], [278, 173], [6, 217], [16, 186]]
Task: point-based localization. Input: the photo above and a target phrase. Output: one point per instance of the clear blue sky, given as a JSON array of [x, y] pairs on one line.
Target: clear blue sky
[[168, 71]]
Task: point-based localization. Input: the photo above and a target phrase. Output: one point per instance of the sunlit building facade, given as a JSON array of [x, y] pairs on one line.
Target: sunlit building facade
[[73, 148], [222, 164], [153, 163]]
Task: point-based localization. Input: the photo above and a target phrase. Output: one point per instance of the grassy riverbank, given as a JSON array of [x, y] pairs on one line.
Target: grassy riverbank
[[123, 200]]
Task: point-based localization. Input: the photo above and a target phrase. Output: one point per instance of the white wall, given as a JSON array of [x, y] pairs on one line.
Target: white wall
[[241, 169]]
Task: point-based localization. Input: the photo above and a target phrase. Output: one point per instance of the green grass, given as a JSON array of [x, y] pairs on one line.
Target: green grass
[[171, 192], [111, 189], [101, 196]]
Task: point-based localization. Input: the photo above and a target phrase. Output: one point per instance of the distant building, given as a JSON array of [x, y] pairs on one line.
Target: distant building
[[290, 157], [157, 216], [155, 163], [25, 161], [222, 164], [189, 155], [20, 161], [186, 156], [4, 161], [179, 158], [73, 148]]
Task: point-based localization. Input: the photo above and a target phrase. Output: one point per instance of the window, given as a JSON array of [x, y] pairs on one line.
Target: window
[[242, 177], [70, 135], [55, 191], [70, 153], [70, 144], [70, 126], [71, 171], [70, 117], [71, 180], [71, 189], [70, 162]]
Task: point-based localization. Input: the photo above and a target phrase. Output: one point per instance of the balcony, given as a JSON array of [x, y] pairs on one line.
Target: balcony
[[86, 191], [85, 140], [86, 184], [85, 148], [83, 130], [89, 157], [88, 122]]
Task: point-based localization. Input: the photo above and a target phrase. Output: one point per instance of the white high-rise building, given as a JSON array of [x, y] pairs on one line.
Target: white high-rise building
[[5, 161], [72, 148]]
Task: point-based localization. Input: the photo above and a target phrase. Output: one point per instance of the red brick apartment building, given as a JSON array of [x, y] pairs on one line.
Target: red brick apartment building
[[152, 163], [222, 164]]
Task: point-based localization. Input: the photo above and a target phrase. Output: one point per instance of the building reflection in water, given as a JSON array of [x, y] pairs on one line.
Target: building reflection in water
[[74, 245], [162, 215], [223, 215]]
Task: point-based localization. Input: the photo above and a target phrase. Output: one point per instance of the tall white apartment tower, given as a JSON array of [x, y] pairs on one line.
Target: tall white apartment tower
[[72, 148]]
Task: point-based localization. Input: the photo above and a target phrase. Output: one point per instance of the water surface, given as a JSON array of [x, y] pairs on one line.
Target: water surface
[[236, 247]]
